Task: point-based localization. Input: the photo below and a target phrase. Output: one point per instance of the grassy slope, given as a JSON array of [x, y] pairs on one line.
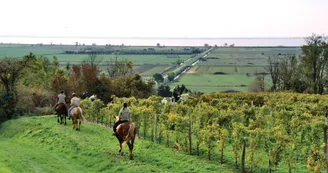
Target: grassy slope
[[39, 144]]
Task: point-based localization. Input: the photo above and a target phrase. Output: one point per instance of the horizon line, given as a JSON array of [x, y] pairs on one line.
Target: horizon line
[[122, 37]]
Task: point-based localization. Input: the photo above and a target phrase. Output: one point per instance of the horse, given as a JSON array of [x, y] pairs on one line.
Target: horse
[[61, 110], [126, 132], [170, 100], [77, 117]]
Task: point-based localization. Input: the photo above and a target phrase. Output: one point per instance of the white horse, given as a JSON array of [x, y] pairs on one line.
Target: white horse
[[93, 97], [164, 101], [170, 100], [184, 97]]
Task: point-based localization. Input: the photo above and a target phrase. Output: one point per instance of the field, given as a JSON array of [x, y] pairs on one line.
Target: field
[[223, 69], [39, 144], [215, 83], [144, 64], [226, 69]]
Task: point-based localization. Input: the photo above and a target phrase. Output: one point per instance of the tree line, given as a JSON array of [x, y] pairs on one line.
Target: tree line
[[32, 82], [306, 73]]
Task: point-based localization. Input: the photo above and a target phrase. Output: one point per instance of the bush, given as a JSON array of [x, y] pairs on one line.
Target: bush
[[92, 110]]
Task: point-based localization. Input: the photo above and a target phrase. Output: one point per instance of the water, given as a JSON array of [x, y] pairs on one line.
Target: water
[[154, 41]]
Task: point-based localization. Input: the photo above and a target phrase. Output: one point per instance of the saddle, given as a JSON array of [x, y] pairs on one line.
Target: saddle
[[122, 125], [58, 106]]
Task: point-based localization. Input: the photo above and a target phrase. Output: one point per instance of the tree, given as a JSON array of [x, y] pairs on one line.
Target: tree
[[89, 77], [171, 76], [314, 60], [196, 51], [68, 66], [41, 72], [59, 82], [74, 82], [158, 77], [273, 69], [92, 59], [11, 70], [119, 68], [179, 61], [158, 45], [257, 85], [290, 75], [164, 91], [103, 88]]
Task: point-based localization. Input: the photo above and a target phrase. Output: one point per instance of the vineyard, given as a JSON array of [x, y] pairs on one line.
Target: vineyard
[[267, 132]]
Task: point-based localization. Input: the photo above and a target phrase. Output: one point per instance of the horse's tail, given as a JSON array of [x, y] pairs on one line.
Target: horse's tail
[[131, 132], [82, 117]]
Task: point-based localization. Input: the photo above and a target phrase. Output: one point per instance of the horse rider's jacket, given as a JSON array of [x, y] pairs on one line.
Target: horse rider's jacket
[[61, 98], [75, 101], [124, 114]]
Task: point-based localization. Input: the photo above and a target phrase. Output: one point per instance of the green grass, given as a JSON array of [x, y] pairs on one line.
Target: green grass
[[247, 56], [233, 69], [15, 50], [215, 83], [135, 59], [157, 69], [39, 144]]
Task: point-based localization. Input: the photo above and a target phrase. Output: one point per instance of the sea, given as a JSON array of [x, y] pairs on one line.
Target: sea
[[138, 41]]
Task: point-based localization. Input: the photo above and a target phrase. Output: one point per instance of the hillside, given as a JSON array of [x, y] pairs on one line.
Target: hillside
[[39, 144]]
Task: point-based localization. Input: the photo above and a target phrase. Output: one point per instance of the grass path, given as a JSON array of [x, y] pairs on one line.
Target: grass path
[[39, 144]]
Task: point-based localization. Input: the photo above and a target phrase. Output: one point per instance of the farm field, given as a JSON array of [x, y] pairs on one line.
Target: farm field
[[155, 69], [146, 65], [247, 56], [39, 144], [208, 83], [135, 59], [245, 62], [227, 68]]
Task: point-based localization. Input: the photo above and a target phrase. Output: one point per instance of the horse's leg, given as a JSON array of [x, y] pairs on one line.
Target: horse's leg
[[130, 148], [58, 117], [121, 152], [79, 124], [61, 118], [76, 124], [73, 123], [65, 118]]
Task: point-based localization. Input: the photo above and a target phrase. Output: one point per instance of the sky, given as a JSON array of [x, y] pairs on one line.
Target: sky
[[168, 18]]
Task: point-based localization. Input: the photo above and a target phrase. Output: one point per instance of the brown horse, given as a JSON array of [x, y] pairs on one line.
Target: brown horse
[[126, 132], [77, 117], [61, 110]]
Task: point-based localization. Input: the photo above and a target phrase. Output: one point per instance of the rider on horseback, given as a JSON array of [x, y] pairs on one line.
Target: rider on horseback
[[61, 98], [124, 116], [75, 102]]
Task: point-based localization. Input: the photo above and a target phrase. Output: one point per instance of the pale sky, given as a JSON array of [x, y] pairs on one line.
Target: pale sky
[[168, 18]]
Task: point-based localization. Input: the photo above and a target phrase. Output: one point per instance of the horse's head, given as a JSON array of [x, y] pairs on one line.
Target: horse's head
[[116, 118]]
